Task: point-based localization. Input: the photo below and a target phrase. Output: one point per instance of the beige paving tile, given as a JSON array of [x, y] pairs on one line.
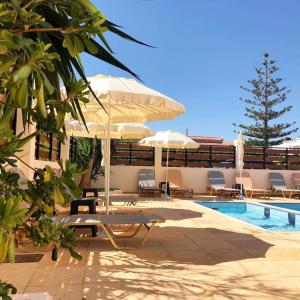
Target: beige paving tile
[[18, 266], [19, 277], [198, 254], [136, 289], [64, 258], [57, 276], [63, 292]]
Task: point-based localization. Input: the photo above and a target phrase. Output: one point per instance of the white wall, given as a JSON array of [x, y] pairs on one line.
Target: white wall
[[125, 177]]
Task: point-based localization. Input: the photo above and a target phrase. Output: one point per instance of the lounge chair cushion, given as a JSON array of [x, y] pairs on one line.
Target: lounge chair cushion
[[146, 178], [117, 219]]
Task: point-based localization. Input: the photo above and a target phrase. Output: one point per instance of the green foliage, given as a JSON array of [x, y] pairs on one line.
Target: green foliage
[[41, 42], [262, 107], [87, 149], [48, 232], [5, 289], [11, 146], [42, 76], [10, 217]]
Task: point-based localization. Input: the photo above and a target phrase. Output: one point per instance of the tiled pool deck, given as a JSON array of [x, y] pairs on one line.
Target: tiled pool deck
[[196, 254]]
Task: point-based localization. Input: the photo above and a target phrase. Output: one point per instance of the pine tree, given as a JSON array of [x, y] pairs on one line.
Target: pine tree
[[262, 107]]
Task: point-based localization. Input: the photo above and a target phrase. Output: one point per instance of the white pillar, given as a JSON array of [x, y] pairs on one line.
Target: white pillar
[[157, 165]]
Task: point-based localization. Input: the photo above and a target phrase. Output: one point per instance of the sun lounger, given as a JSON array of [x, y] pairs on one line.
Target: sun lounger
[[278, 184], [120, 199], [126, 200], [296, 180], [246, 181], [176, 187], [217, 185], [107, 222], [146, 183]]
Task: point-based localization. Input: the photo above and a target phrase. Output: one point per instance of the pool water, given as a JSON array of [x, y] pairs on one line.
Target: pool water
[[265, 216]]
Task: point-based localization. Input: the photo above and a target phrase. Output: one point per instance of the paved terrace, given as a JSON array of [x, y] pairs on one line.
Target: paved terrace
[[196, 254]]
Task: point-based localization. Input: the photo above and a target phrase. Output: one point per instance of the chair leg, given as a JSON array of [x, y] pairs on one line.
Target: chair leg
[[111, 237]]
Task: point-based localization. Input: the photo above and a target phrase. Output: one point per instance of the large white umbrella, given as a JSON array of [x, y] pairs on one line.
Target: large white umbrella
[[169, 139], [240, 158], [126, 100]]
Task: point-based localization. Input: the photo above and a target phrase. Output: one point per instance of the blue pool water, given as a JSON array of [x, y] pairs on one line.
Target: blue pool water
[[265, 216], [292, 206]]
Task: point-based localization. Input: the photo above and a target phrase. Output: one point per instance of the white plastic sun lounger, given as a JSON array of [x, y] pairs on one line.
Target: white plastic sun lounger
[[278, 184], [217, 185], [250, 191], [107, 222]]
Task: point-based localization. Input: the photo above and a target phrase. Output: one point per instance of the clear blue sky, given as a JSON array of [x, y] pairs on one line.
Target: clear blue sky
[[205, 50]]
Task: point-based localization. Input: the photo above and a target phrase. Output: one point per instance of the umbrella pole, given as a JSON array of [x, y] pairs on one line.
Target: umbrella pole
[[107, 167], [241, 176], [166, 186]]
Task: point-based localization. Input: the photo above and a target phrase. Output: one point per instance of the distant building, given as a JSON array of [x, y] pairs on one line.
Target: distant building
[[211, 140], [289, 144]]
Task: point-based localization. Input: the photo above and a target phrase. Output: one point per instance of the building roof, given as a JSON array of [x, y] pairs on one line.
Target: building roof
[[211, 140]]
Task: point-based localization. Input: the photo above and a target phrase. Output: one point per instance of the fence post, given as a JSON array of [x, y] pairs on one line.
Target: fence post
[[286, 158], [210, 156], [130, 154], [264, 157]]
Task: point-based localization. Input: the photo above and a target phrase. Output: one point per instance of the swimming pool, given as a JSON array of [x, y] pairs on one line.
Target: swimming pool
[[292, 206], [262, 215]]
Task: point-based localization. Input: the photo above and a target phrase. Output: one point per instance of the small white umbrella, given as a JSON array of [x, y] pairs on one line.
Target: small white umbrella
[[125, 100], [169, 139], [117, 131], [240, 158]]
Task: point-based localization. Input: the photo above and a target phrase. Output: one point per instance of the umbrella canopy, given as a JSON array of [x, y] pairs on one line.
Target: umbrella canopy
[[125, 100], [240, 157], [169, 139], [117, 131]]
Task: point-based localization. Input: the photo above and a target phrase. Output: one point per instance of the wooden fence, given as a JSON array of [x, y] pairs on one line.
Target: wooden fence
[[129, 153], [203, 157], [272, 158]]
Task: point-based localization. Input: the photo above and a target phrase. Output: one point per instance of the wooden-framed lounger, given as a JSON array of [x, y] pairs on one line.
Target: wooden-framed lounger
[[134, 223], [146, 183], [246, 181], [217, 185], [278, 185], [176, 186]]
